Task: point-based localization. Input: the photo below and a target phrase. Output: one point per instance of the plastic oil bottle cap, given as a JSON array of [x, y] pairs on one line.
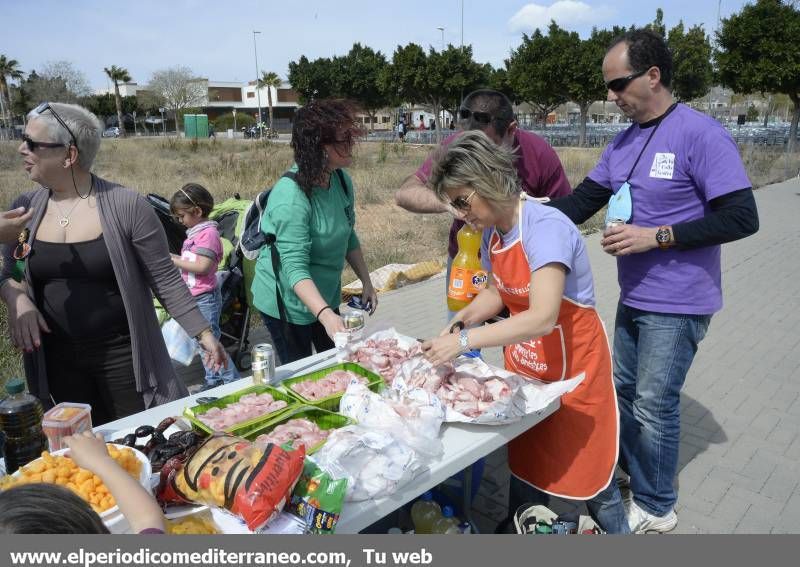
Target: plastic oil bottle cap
[[427, 497], [447, 512], [15, 386]]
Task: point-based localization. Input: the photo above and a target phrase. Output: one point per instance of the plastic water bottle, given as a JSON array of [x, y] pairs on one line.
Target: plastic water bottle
[[21, 421], [424, 512], [447, 524]]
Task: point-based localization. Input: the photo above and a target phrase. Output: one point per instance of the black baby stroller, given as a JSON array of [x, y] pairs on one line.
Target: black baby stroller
[[235, 316]]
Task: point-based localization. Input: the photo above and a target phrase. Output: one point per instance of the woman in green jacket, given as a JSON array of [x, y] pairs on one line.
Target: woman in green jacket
[[312, 216]]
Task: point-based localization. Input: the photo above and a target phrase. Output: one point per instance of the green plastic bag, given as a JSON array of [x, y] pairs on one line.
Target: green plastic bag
[[318, 498]]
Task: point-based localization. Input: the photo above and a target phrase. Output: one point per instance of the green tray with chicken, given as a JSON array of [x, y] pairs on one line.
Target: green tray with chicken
[[241, 428], [331, 403], [325, 420]]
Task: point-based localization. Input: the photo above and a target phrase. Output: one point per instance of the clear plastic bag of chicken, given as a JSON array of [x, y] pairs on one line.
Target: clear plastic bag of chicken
[[414, 416], [475, 392]]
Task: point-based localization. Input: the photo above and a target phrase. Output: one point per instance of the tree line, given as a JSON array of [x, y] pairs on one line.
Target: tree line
[[755, 52]]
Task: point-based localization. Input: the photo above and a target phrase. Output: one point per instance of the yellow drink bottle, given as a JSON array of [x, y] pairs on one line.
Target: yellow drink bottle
[[467, 277]]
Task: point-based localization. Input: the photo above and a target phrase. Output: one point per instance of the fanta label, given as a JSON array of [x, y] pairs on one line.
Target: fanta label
[[465, 284]]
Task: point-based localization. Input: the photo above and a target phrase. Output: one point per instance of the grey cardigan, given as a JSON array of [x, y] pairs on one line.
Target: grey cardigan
[[140, 257]]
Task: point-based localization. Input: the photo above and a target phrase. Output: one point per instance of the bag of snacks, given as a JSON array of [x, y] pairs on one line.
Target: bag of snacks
[[318, 498], [232, 473], [193, 522]]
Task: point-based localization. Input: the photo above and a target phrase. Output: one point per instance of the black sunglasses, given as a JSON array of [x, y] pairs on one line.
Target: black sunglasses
[[621, 83], [477, 115], [45, 106], [33, 145], [347, 138]]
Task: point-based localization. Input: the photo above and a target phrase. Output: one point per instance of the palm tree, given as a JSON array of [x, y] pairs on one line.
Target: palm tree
[[118, 74], [270, 80], [8, 68]]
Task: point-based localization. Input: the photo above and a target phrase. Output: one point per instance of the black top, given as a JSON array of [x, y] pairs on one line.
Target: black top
[[76, 289]]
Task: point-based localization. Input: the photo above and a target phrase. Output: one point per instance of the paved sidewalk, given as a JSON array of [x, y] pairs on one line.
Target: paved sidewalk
[[740, 447]]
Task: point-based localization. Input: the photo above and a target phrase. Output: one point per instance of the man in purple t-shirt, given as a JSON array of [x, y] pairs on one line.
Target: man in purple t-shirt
[[688, 192], [540, 171]]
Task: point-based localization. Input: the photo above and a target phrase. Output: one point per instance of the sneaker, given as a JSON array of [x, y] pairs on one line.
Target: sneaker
[[643, 522]]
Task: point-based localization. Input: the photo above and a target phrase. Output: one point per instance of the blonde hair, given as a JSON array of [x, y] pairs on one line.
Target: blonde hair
[[473, 160]]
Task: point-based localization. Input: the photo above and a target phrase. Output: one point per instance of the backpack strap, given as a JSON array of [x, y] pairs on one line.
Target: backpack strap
[[340, 173]]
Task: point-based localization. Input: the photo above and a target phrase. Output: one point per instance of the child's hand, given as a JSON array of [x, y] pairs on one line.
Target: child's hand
[[174, 257], [87, 449]]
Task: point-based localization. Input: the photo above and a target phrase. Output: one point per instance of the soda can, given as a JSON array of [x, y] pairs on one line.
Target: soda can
[[611, 223], [262, 359]]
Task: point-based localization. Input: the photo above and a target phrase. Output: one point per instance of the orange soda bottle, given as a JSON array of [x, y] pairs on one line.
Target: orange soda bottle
[[467, 276]]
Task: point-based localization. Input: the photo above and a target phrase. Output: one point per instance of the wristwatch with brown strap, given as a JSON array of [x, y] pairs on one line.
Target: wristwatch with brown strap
[[664, 237]]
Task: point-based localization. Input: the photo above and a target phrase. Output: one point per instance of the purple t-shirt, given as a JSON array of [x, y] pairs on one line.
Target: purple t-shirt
[[549, 236], [690, 160], [538, 167]]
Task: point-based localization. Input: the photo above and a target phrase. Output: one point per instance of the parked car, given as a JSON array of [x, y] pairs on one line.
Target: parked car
[[112, 132]]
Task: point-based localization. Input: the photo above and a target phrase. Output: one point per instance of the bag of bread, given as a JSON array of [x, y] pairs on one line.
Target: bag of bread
[[232, 473]]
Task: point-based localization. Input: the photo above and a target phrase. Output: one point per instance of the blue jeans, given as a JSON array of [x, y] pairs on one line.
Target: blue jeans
[[606, 508], [210, 305], [652, 355]]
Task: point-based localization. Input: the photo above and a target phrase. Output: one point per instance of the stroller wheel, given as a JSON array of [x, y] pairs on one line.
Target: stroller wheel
[[243, 360]]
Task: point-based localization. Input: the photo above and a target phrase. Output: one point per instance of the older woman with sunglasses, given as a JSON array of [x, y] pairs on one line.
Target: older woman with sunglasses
[[540, 271], [79, 284], [311, 216]]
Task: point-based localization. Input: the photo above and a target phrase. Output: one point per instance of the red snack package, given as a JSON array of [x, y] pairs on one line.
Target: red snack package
[[232, 473]]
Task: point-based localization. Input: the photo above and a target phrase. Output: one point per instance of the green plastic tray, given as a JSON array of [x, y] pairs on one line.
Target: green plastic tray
[[323, 418], [331, 403], [242, 428]]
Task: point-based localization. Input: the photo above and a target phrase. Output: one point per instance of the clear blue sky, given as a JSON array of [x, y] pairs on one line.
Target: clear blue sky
[[215, 38]]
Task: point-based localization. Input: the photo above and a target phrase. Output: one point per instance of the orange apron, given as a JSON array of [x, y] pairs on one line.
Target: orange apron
[[573, 452]]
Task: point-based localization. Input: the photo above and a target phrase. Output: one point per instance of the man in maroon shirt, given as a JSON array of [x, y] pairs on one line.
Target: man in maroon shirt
[[539, 169]]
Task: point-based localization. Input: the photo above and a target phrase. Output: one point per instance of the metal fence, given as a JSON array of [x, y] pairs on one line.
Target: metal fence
[[598, 135]]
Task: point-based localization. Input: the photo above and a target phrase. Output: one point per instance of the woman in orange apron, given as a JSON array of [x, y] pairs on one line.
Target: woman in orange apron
[[541, 273]]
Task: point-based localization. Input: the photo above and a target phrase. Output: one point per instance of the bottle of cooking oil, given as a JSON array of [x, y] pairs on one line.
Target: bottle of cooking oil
[[21, 421], [467, 276]]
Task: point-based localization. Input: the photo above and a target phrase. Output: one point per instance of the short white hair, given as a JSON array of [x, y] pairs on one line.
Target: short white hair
[[84, 125]]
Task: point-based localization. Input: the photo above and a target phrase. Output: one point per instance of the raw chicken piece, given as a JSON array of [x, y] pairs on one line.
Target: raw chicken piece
[[295, 431], [331, 384], [464, 393], [383, 356], [249, 406]]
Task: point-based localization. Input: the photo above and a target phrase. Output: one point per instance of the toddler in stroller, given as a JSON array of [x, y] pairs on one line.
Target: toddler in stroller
[[234, 319], [200, 256]]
